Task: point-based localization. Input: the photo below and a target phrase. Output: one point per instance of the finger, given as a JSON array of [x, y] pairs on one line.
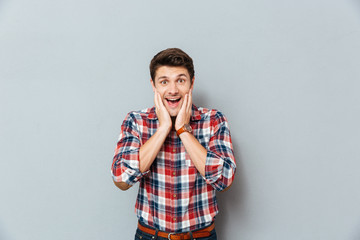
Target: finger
[[161, 104], [189, 106], [184, 104], [156, 100]]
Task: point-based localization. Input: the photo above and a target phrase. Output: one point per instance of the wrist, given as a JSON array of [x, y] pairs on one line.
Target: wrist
[[178, 126], [164, 129], [185, 135], [185, 128]]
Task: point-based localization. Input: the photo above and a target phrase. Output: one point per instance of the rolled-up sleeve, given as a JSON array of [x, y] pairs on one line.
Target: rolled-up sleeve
[[220, 163], [125, 166]]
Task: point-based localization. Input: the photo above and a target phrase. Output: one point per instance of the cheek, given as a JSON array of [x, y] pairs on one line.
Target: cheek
[[184, 92], [162, 96], [162, 91]]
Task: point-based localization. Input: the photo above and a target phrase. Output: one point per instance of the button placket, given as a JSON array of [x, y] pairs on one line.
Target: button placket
[[174, 174]]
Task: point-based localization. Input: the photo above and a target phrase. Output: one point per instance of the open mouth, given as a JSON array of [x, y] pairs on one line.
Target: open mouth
[[173, 102]]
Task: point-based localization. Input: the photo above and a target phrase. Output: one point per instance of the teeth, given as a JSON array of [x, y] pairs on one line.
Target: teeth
[[173, 100]]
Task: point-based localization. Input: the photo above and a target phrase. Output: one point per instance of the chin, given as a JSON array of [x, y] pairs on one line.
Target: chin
[[173, 113]]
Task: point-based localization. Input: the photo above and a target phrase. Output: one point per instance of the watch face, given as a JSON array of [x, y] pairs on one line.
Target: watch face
[[188, 128]]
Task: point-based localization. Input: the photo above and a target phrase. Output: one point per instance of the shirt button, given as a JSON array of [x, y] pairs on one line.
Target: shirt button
[[174, 195], [174, 150], [174, 173], [174, 219]]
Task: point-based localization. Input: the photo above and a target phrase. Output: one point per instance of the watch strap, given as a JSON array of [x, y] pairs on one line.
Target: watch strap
[[183, 129]]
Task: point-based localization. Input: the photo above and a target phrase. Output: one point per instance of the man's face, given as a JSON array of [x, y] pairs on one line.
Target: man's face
[[172, 83]]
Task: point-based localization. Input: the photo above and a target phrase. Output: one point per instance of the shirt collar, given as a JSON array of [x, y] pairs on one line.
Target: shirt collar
[[195, 114]]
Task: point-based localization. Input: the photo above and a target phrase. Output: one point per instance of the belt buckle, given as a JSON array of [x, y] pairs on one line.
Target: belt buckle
[[169, 236]]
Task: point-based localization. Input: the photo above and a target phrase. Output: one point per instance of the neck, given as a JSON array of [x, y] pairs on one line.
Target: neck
[[173, 119]]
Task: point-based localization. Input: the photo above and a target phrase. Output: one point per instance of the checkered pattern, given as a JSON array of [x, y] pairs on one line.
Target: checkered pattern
[[173, 196]]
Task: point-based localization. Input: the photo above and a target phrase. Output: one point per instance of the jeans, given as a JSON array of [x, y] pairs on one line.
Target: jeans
[[140, 235]]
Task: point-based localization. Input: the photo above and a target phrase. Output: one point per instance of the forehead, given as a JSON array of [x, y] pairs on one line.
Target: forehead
[[171, 72]]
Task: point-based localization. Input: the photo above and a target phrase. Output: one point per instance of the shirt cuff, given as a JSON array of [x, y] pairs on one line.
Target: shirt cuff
[[213, 167], [130, 176]]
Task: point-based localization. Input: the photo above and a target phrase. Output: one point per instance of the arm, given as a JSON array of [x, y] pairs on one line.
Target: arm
[[132, 160], [220, 161], [122, 185], [151, 148], [147, 154], [217, 163], [125, 167], [196, 151]]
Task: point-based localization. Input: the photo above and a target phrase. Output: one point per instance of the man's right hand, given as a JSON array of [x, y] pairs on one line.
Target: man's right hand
[[152, 146], [162, 113]]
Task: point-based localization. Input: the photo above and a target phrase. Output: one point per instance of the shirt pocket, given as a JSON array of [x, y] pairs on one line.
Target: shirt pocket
[[187, 163], [190, 171]]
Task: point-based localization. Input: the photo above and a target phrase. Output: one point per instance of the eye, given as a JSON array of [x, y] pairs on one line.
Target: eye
[[163, 82], [181, 80]]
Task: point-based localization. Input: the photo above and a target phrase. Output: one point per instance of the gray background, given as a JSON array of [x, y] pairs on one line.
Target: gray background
[[286, 74]]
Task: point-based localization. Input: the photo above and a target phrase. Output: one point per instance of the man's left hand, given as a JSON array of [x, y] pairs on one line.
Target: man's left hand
[[184, 114]]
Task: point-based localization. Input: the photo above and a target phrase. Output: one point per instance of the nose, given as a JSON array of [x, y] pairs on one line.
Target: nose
[[173, 89]]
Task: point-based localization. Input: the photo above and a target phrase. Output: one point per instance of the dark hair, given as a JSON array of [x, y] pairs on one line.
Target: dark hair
[[173, 57]]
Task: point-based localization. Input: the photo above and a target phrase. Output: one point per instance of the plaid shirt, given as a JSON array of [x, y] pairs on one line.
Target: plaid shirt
[[173, 196]]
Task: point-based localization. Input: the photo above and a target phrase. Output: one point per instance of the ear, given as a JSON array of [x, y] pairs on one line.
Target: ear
[[152, 85], [192, 83]]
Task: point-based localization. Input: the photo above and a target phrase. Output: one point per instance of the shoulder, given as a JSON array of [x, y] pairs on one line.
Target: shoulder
[[211, 114], [140, 114], [215, 118], [135, 120]]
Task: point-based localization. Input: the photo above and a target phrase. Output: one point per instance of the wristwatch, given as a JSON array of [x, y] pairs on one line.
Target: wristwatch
[[185, 128]]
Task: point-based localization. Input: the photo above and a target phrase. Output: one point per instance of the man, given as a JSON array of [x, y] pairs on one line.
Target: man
[[179, 153]]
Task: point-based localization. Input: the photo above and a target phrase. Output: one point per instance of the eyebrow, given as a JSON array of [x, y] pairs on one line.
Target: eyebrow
[[180, 75]]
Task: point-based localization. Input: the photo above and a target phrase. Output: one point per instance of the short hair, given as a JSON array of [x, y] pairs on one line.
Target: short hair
[[173, 57]]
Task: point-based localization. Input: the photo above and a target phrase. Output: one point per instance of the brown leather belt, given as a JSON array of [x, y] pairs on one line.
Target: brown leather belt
[[204, 232]]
